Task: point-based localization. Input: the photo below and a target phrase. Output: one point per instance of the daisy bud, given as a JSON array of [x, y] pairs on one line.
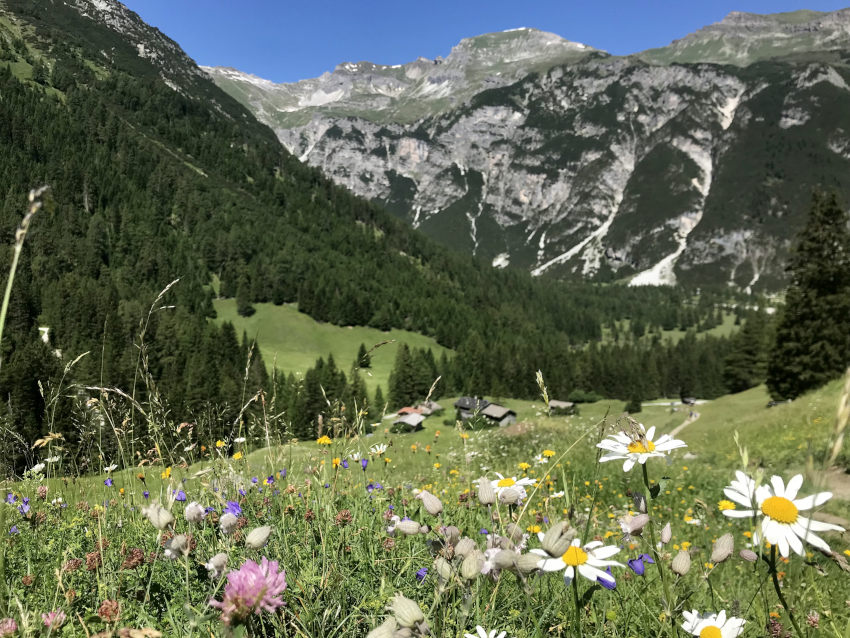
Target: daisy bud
[[258, 538], [486, 493], [722, 549], [443, 568], [509, 496], [431, 503], [527, 563], [514, 531], [216, 565], [194, 512], [555, 542], [228, 523], [681, 563], [158, 516], [748, 555], [384, 630], [464, 547], [640, 502], [633, 525], [666, 534], [451, 534], [408, 528], [177, 546], [503, 542], [407, 612], [471, 566], [505, 559]]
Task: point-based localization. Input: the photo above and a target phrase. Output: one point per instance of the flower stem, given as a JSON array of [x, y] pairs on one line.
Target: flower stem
[[668, 599], [782, 600], [578, 606]]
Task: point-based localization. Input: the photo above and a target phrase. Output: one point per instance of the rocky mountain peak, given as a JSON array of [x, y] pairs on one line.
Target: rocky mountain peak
[[743, 38], [406, 92]]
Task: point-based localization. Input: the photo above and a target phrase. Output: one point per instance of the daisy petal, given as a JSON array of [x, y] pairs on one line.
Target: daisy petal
[[793, 487], [812, 525], [814, 500]]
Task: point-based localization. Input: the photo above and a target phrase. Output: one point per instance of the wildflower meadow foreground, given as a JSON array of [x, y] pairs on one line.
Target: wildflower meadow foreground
[[566, 529]]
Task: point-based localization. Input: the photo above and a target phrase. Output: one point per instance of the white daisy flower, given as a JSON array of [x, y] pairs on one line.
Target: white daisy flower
[[354, 456], [743, 492], [52, 459], [540, 459], [712, 625], [239, 439], [588, 559], [504, 482], [637, 446], [780, 508], [109, 468], [378, 449], [38, 467], [480, 632]]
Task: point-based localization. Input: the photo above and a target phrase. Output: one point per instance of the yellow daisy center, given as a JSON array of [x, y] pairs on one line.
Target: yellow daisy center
[[710, 632], [779, 509], [641, 447], [506, 482], [574, 556]]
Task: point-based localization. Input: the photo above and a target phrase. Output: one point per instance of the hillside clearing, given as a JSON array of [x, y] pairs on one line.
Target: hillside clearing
[[292, 341]]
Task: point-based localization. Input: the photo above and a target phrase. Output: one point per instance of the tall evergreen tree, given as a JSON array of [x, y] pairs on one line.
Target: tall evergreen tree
[[813, 332], [379, 404], [746, 365], [364, 359]]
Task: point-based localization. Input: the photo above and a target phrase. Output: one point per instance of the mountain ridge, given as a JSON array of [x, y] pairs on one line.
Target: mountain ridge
[[552, 172]]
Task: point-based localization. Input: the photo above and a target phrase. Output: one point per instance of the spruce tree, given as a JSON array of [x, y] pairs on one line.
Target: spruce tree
[[243, 297], [379, 404], [364, 359], [746, 365], [813, 331]]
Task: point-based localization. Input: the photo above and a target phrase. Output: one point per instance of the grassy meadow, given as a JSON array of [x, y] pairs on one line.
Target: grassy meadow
[[353, 523], [293, 341]]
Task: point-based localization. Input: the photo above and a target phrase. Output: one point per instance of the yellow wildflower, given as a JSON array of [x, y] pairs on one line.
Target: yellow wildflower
[[237, 456], [219, 444], [548, 453], [324, 440], [725, 505], [336, 462]]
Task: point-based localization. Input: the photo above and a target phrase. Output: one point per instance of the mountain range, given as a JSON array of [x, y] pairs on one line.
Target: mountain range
[[692, 163]]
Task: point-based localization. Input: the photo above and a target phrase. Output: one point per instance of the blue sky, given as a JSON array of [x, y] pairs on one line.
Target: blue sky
[[286, 40]]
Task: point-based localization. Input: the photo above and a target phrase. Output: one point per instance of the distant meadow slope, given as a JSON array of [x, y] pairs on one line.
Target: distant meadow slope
[[292, 341]]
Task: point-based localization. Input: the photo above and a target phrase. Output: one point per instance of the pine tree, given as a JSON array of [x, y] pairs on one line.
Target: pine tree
[[746, 365], [378, 405], [403, 379], [364, 359], [243, 297], [813, 331]]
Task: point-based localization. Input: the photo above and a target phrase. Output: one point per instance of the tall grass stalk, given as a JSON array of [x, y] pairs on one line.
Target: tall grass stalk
[[35, 204], [841, 420]]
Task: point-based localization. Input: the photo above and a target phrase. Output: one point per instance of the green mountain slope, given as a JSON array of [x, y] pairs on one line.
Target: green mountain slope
[[156, 176]]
